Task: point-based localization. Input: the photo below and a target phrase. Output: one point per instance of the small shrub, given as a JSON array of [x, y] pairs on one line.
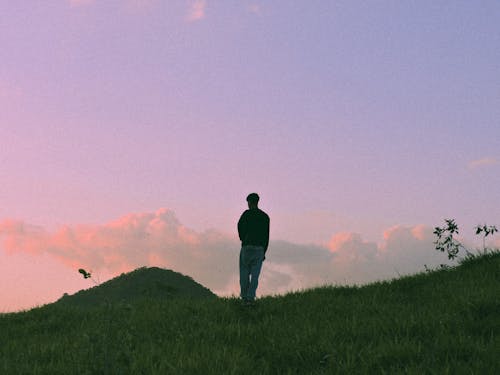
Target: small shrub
[[447, 243]]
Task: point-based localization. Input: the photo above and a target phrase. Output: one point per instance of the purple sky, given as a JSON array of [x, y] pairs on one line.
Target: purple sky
[[349, 118]]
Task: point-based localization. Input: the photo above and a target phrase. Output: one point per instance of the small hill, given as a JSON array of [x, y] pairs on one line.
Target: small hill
[[152, 283]]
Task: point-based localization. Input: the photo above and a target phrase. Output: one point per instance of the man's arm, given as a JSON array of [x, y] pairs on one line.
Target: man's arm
[[242, 227], [266, 237]]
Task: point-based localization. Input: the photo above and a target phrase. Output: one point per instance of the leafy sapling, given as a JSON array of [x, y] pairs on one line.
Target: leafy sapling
[[87, 275], [486, 230], [445, 241]]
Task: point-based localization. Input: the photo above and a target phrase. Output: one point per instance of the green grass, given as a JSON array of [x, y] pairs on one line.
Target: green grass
[[440, 322]]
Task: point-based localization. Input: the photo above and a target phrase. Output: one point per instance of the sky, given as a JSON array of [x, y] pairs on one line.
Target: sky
[[133, 130]]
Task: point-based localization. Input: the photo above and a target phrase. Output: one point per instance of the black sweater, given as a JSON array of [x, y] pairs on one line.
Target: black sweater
[[253, 228]]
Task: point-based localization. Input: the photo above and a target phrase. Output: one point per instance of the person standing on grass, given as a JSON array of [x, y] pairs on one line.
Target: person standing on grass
[[253, 229]]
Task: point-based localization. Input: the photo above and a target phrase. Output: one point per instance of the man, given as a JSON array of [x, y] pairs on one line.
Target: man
[[253, 229]]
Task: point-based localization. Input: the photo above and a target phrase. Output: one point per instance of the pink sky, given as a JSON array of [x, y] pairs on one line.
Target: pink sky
[[132, 131]]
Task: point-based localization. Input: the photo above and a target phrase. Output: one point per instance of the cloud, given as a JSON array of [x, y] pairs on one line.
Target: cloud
[[211, 258], [404, 250], [197, 10], [484, 162], [151, 239]]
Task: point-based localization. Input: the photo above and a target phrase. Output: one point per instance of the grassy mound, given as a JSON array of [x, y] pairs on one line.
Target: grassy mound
[[150, 283]]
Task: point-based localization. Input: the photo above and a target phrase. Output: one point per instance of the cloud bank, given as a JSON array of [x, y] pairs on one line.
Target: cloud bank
[[211, 258]]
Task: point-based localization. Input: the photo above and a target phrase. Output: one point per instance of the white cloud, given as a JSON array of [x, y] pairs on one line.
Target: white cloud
[[197, 10], [211, 258], [484, 162]]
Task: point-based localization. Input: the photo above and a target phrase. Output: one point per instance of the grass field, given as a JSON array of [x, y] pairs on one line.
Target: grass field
[[439, 322]]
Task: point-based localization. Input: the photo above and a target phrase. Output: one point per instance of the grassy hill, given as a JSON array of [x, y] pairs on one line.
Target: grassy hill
[[440, 322], [143, 283]]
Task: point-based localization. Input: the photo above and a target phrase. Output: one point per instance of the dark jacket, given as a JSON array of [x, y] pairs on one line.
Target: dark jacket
[[253, 228]]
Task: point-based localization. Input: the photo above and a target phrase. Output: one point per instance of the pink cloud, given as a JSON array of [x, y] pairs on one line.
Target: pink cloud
[[484, 162], [352, 247], [197, 10], [135, 240], [159, 239]]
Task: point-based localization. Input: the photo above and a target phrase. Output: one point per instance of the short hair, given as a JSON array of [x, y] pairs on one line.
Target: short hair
[[253, 198]]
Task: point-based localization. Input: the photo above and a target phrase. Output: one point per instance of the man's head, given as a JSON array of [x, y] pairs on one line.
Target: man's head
[[253, 200]]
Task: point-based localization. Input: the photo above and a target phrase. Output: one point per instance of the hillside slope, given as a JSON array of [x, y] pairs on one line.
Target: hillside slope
[[151, 283], [440, 322]]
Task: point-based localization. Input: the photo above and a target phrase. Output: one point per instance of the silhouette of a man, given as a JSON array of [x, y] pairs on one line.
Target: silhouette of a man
[[253, 229]]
